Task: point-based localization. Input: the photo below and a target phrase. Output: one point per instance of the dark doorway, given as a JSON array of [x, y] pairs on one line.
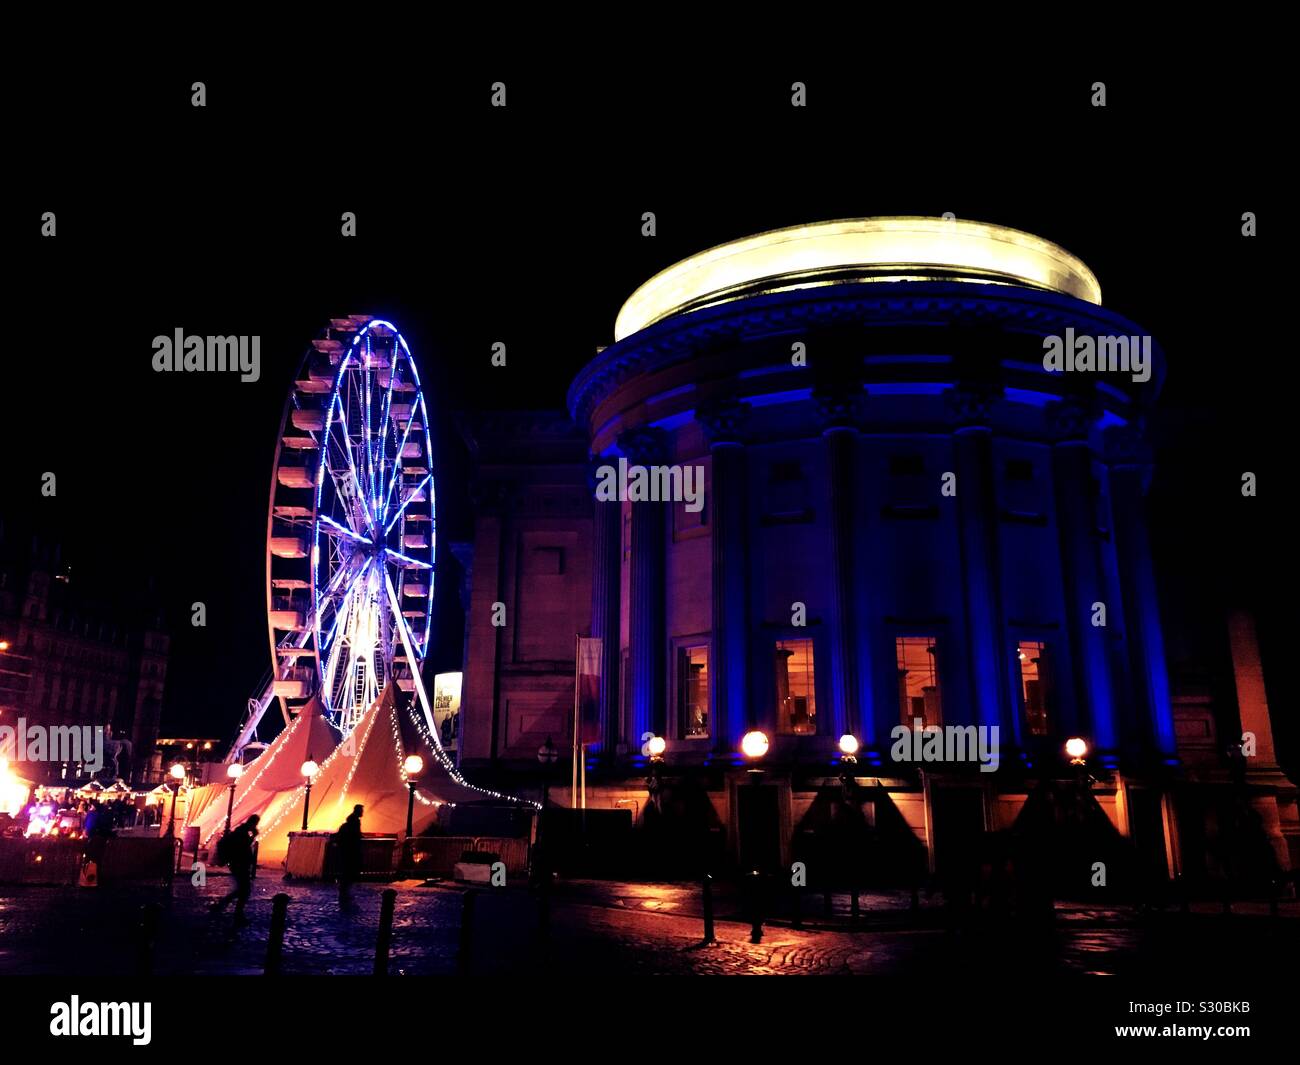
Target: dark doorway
[[958, 828], [760, 827], [1148, 826]]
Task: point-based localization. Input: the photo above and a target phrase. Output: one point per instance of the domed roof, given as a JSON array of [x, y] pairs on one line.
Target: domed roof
[[857, 250]]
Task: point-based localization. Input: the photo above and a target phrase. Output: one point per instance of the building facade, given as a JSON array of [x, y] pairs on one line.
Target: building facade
[[909, 518], [68, 660]]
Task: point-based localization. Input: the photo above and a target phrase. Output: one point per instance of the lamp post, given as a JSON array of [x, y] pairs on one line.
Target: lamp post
[[177, 774], [414, 766], [848, 764], [654, 784], [1076, 749], [234, 773], [546, 756], [308, 770]]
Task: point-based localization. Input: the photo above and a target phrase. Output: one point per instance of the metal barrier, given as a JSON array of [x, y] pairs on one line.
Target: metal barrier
[[438, 855]]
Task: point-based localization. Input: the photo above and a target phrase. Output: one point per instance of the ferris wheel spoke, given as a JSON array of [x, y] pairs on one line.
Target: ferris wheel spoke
[[344, 602], [406, 502], [369, 455], [406, 560], [356, 485], [382, 442], [397, 464], [342, 530]]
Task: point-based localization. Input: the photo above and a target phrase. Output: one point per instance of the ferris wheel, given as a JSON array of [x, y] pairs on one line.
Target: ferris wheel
[[350, 542]]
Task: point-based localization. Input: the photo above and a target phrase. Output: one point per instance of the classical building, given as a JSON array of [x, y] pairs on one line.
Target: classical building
[[69, 658], [909, 518]]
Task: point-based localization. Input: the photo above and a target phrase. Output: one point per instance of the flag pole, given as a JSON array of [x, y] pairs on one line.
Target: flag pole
[[577, 665]]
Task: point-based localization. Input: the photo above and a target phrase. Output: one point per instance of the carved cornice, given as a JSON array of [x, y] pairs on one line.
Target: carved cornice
[[840, 307]]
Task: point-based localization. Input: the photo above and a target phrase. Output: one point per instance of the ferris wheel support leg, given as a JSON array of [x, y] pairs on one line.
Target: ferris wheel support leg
[[402, 632]]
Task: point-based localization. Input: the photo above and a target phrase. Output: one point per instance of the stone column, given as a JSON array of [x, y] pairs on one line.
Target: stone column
[[1076, 520], [646, 672], [606, 586], [987, 649], [731, 712], [1129, 471], [1252, 699], [840, 409]]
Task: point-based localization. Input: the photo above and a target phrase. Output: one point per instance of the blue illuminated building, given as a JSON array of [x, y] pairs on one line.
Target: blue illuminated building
[[906, 517]]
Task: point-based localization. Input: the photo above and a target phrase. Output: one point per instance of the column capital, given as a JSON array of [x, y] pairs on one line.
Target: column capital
[[725, 421], [1122, 445], [1070, 417], [840, 406], [969, 405], [644, 445]]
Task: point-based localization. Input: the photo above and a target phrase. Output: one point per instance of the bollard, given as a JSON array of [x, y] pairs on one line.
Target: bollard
[[756, 912], [544, 907], [275, 937], [796, 908], [388, 901], [147, 935], [464, 955], [707, 885]]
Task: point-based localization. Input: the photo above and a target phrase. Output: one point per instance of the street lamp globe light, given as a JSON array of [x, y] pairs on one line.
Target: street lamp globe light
[[234, 772], [754, 744], [308, 770], [413, 766], [849, 745], [657, 746], [546, 753], [1076, 748]]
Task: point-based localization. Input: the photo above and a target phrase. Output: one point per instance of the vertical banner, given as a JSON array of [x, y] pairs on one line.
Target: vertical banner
[[446, 709], [589, 690]]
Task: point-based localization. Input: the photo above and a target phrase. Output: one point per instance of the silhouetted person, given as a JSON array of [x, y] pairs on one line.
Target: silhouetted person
[[347, 842], [236, 851]]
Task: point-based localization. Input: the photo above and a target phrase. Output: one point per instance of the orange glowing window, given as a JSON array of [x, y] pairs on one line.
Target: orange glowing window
[[918, 680]]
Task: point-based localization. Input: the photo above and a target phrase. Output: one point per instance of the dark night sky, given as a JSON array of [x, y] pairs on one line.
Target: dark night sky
[[523, 226]]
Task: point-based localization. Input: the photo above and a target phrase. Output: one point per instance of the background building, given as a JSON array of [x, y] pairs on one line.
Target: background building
[[74, 657]]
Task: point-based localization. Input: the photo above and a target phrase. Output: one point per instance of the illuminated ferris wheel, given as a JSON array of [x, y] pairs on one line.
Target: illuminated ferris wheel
[[350, 530]]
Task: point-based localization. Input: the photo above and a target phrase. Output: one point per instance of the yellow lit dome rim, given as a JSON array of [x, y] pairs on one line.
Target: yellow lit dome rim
[[857, 249]]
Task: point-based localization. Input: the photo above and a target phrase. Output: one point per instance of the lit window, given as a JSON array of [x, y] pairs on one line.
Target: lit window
[[918, 680], [693, 691], [796, 697], [1033, 684]]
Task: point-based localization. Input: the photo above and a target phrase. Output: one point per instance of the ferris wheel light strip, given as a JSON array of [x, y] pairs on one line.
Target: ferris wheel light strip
[[397, 462], [326, 519], [407, 559], [352, 466], [338, 613], [383, 429], [414, 492]]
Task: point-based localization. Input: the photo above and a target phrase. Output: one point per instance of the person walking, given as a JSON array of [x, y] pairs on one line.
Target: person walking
[[235, 849], [347, 842]]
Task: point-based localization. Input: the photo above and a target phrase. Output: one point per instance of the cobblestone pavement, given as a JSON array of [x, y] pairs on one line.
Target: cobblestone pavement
[[620, 928]]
